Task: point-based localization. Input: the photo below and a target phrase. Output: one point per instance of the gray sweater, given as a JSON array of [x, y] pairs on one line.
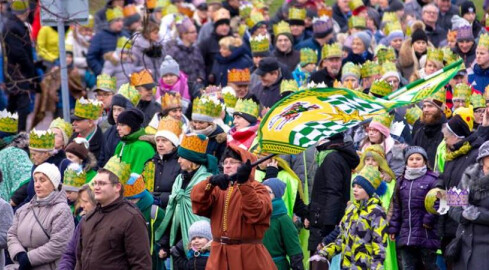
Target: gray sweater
[[5, 222]]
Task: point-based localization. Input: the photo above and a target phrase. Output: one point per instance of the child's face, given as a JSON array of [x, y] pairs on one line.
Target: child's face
[[69, 59], [359, 193], [270, 192], [198, 243], [310, 67], [415, 161], [72, 196], [370, 161], [170, 79]]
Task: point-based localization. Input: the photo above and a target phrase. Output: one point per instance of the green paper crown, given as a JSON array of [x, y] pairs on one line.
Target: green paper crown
[[462, 91], [122, 43], [254, 18], [388, 67], [130, 92], [389, 17], [229, 96], [106, 82], [247, 106], [449, 56], [298, 14], [66, 127], [484, 41], [114, 13], [435, 55], [354, 4], [288, 86], [245, 10], [440, 96], [281, 28], [477, 101], [260, 44], [392, 26], [41, 140], [381, 88], [386, 55], [120, 168], [88, 108], [350, 68], [372, 175], [384, 119], [308, 56], [74, 177], [9, 122], [207, 106], [357, 22], [19, 5], [370, 68], [331, 50], [413, 114]]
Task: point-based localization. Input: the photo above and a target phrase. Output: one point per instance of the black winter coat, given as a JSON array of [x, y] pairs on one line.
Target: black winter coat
[[209, 49], [238, 59], [340, 18], [268, 95], [111, 139], [428, 137], [166, 171], [322, 76], [96, 142], [468, 57], [290, 59], [149, 108], [182, 262]]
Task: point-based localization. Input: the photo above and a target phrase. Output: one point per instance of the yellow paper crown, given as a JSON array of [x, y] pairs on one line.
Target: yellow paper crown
[[74, 177], [372, 175], [435, 55], [170, 9], [462, 91], [255, 18], [41, 140], [9, 122], [221, 14], [260, 44], [114, 14], [370, 68], [440, 96], [19, 5], [132, 190], [484, 41], [384, 119], [170, 124], [206, 108], [388, 67], [142, 77], [128, 91], [239, 76], [298, 14], [389, 17], [351, 69], [66, 127], [88, 108], [118, 167], [413, 114], [281, 28], [90, 23], [357, 22], [69, 47], [331, 50], [354, 4], [245, 10], [124, 43], [380, 88], [247, 106], [229, 96], [195, 142], [171, 101], [308, 56], [392, 26], [386, 55], [288, 86], [477, 101], [106, 82]]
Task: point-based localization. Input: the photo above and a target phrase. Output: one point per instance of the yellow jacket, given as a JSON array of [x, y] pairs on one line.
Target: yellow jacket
[[47, 44]]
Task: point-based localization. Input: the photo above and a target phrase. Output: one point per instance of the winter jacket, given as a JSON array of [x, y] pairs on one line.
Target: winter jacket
[[409, 213], [340, 18], [164, 170], [121, 70], [358, 59], [15, 166], [310, 43], [47, 44], [27, 235], [103, 42], [5, 222], [331, 189], [237, 60], [290, 59], [268, 95], [468, 57], [322, 76], [479, 78], [149, 108], [436, 35], [209, 48], [114, 237], [149, 55], [111, 139], [445, 19], [192, 260], [407, 62], [134, 151], [68, 260], [428, 137], [363, 238], [473, 234], [95, 142], [191, 56]]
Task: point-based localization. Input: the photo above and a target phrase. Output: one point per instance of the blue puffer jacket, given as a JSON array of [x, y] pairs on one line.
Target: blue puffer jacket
[[103, 42], [479, 78], [409, 213], [238, 59]]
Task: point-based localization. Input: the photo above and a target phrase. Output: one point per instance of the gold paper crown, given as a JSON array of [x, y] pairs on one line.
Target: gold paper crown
[[386, 55], [88, 108], [171, 101], [69, 47], [242, 30], [221, 14], [484, 41], [229, 96], [354, 4], [206, 107], [129, 10], [135, 188], [477, 101], [9, 122], [331, 50], [254, 18], [308, 56], [434, 55], [298, 14], [247, 106], [90, 23], [462, 91], [448, 55], [452, 35], [392, 26], [381, 88], [325, 11], [19, 5], [170, 124], [351, 69], [239, 76], [151, 4], [128, 91], [281, 28], [107, 83], [357, 22], [142, 77], [370, 68], [195, 142], [114, 14], [389, 17], [384, 119], [66, 127], [124, 43], [260, 44], [120, 168], [41, 140], [413, 114], [74, 177], [347, 85], [288, 86], [440, 96], [388, 67]]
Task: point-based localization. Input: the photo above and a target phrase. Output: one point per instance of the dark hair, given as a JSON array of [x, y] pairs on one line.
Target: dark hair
[[113, 179]]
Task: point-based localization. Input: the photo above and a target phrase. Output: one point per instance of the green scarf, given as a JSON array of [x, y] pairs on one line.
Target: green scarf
[[466, 147], [321, 155]]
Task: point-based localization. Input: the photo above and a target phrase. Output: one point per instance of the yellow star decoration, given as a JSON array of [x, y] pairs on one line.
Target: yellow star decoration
[[344, 117]]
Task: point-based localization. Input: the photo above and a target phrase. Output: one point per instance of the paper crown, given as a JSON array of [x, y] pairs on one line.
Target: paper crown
[[206, 108], [221, 14], [114, 14], [452, 35], [351, 69], [439, 96], [88, 108], [386, 55], [298, 14], [66, 127], [389, 17], [170, 124], [372, 175], [380, 88], [384, 119], [74, 177], [457, 197], [325, 11], [331, 50], [118, 167], [449, 56], [388, 67], [128, 91], [357, 22], [170, 9], [124, 43], [259, 44], [255, 18], [171, 101], [281, 28], [245, 10], [391, 27], [239, 76], [19, 5], [477, 101], [484, 41], [229, 96], [106, 82], [134, 188], [129, 10], [9, 122], [430, 202], [322, 24], [288, 86], [195, 142], [370, 68], [347, 85], [41, 140], [462, 91], [434, 55], [142, 77], [413, 114], [151, 4], [69, 47], [355, 4], [308, 56], [247, 106]]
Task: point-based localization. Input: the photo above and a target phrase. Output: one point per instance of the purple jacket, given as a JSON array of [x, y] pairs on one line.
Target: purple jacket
[[68, 260], [409, 213]]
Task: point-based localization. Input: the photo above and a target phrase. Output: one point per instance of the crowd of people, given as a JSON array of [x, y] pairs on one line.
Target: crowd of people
[[155, 169]]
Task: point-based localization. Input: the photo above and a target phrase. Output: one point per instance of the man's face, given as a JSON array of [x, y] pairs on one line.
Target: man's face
[[444, 5], [269, 78], [222, 29], [284, 44], [430, 113], [38, 157], [105, 192], [230, 166], [82, 126], [343, 5], [482, 57], [465, 45], [333, 65], [105, 97], [176, 113], [430, 15], [146, 94], [116, 25], [456, 80], [297, 30], [241, 90]]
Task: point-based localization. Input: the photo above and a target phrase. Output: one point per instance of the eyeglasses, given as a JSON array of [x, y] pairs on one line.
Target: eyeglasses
[[100, 183]]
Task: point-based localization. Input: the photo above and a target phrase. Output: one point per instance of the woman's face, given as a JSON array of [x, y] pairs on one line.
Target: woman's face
[[224, 51], [116, 110], [59, 141], [164, 146], [200, 125], [123, 129], [465, 45], [240, 123], [430, 67], [374, 136], [419, 46], [38, 157], [170, 79], [73, 158], [479, 115], [42, 185], [85, 202], [187, 165], [357, 46], [415, 161], [396, 43], [370, 161]]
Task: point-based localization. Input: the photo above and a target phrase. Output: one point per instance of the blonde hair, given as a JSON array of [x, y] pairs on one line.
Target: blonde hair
[[230, 42]]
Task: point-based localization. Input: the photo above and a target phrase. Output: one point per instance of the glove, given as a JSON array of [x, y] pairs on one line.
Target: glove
[[220, 180], [471, 213], [24, 263], [243, 172], [296, 262]]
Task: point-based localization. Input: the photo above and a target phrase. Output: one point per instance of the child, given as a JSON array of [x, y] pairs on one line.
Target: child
[[411, 224], [199, 248], [307, 65], [282, 239], [77, 152], [362, 239], [120, 63], [173, 80]]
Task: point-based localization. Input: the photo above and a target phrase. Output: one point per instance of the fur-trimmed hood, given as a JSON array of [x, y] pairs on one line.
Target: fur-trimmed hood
[[407, 57], [474, 179], [90, 163]]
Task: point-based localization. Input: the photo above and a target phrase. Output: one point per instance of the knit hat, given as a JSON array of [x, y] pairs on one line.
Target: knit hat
[[415, 150], [369, 179], [458, 126], [169, 66], [483, 151], [382, 123], [201, 228], [467, 7], [365, 37], [51, 171], [79, 147], [170, 129], [419, 34], [277, 186], [132, 117], [465, 33]]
